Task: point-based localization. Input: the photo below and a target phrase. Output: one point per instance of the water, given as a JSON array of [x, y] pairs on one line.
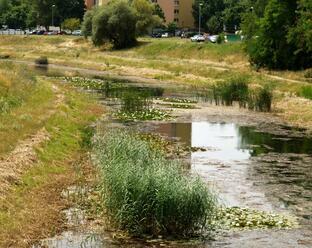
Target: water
[[250, 168]]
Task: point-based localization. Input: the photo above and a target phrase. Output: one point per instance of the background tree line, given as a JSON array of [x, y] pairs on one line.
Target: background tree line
[[30, 13]]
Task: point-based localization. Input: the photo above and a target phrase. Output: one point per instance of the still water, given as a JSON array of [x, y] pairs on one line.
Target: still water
[[250, 168]]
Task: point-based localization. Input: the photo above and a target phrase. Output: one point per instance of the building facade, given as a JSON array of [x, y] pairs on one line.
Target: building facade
[[178, 11]]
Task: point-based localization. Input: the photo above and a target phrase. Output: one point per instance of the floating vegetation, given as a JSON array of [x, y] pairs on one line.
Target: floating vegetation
[[178, 100], [245, 218], [177, 105], [146, 194], [151, 114]]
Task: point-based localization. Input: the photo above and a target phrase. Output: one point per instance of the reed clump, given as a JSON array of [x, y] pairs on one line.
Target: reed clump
[[238, 90], [146, 194]]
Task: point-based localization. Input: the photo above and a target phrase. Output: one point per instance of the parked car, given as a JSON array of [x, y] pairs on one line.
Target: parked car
[[156, 35], [40, 32], [165, 35], [213, 38], [198, 38], [77, 33]]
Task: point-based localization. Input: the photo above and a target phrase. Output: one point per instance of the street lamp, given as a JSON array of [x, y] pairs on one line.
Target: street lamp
[[53, 6], [199, 21]]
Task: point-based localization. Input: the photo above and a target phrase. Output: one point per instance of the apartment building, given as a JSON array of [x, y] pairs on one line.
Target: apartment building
[[179, 11]]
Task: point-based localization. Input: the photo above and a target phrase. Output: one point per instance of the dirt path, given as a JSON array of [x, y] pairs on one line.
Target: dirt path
[[24, 154]]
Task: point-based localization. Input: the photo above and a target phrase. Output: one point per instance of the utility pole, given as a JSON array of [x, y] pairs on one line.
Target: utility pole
[[53, 6], [199, 18]]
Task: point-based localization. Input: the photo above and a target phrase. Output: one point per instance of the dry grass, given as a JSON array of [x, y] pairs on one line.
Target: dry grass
[[30, 209], [171, 60]]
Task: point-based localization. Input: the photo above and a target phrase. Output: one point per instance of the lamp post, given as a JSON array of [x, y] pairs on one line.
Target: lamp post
[[53, 6], [199, 18]]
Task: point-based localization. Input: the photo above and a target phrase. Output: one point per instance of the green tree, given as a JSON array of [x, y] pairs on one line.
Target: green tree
[[214, 25], [209, 9], [146, 19], [159, 12], [272, 47], [86, 26], [232, 14], [115, 23], [71, 24]]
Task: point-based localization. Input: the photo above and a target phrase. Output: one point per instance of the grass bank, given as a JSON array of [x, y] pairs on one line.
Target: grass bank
[[170, 60], [31, 209]]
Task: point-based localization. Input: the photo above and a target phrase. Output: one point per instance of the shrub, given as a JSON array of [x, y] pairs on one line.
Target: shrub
[[42, 61], [71, 24], [308, 73], [306, 92], [86, 26], [116, 23], [144, 193]]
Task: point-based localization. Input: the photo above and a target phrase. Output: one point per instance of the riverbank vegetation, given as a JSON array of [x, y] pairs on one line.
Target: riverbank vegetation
[[145, 193], [53, 116], [177, 61]]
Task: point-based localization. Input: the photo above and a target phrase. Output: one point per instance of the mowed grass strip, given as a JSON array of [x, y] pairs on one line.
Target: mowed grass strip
[[32, 209]]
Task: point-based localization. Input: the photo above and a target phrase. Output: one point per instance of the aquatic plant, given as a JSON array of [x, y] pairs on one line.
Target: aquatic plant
[[260, 99], [245, 218], [178, 100], [144, 193], [237, 90], [228, 92], [151, 114]]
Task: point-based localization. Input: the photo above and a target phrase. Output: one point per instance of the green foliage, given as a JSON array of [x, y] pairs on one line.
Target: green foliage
[[284, 36], [237, 90], [171, 28], [146, 194], [115, 23], [221, 38], [215, 25], [86, 26], [71, 24], [306, 92], [228, 92], [146, 20], [159, 12], [209, 9]]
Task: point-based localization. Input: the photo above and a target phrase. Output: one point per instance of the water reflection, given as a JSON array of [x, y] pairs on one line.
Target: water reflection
[[250, 168]]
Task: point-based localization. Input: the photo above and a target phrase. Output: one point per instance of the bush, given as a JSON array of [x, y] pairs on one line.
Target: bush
[[308, 73], [86, 26], [42, 61], [116, 23], [306, 92], [144, 193], [71, 24]]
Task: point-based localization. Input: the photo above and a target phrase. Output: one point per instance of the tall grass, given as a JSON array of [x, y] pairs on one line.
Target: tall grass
[[146, 194], [228, 92], [15, 84], [237, 90]]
